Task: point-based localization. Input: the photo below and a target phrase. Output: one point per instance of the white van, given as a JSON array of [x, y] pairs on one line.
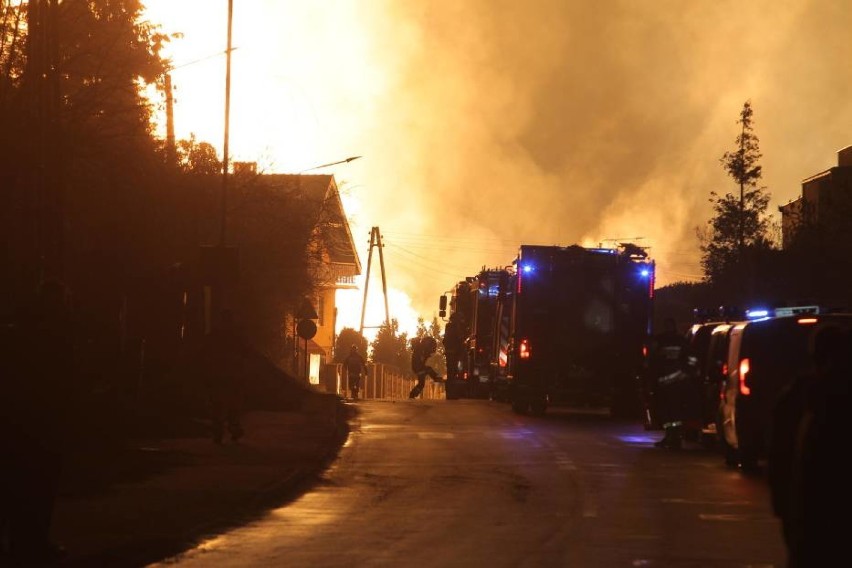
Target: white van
[[763, 357]]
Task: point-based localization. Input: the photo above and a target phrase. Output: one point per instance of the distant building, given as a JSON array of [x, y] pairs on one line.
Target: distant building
[[824, 203]]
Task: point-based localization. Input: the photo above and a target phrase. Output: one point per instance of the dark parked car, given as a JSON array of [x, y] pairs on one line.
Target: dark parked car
[[715, 372], [709, 346], [763, 357], [699, 340]]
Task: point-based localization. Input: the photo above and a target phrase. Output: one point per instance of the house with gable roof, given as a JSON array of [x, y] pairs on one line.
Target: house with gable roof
[[295, 251], [336, 264]]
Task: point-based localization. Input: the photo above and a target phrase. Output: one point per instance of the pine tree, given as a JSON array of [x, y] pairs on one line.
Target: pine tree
[[740, 224]]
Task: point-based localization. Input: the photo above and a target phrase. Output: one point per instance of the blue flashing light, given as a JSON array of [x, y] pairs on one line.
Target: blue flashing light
[[527, 268], [757, 314], [644, 273]]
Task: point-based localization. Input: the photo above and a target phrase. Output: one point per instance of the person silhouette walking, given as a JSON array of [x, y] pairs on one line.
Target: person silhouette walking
[[354, 365]]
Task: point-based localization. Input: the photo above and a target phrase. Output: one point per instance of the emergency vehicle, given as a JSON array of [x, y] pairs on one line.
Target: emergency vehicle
[[474, 302], [577, 328]]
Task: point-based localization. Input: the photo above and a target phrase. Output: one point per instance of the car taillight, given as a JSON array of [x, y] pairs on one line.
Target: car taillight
[[524, 350], [644, 351], [745, 367]]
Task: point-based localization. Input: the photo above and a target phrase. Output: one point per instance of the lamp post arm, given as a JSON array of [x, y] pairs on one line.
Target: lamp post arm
[[346, 161]]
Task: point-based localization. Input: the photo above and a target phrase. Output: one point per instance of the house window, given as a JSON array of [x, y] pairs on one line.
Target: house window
[[321, 310]]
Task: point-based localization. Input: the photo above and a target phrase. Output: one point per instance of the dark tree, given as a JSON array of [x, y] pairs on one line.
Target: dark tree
[[76, 147], [391, 347], [739, 229], [742, 165], [274, 227], [345, 340], [197, 157]]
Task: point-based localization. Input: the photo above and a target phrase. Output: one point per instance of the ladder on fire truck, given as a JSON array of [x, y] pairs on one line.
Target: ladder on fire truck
[[375, 241]]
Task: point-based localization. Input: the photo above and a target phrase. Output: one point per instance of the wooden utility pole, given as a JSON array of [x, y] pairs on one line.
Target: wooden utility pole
[[375, 241], [48, 178], [224, 204], [220, 263], [171, 152]]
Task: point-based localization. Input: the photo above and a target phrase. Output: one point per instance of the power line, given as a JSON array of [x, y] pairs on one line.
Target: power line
[[200, 59], [429, 266], [419, 244]]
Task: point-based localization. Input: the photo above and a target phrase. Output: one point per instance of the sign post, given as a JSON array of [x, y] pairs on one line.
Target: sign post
[[307, 329]]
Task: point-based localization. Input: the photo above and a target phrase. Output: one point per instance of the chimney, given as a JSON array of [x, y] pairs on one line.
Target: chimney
[[844, 157], [245, 168]]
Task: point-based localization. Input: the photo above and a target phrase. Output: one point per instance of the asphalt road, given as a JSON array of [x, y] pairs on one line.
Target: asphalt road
[[469, 483]]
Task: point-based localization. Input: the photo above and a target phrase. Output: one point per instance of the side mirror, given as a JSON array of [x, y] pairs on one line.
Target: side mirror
[[442, 306]]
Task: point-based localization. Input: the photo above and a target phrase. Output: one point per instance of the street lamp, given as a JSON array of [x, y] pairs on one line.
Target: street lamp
[[346, 161]]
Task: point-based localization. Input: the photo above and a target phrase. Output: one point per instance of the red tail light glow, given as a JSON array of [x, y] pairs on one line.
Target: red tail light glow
[[807, 321], [644, 351], [745, 367], [524, 350]]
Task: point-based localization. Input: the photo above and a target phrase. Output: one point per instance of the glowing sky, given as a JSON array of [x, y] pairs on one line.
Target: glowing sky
[[484, 124]]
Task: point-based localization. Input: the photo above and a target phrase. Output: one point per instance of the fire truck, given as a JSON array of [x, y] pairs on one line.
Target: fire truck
[[460, 299], [573, 327], [474, 301]]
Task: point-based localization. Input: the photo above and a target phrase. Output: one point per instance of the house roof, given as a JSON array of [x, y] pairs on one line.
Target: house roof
[[321, 194]]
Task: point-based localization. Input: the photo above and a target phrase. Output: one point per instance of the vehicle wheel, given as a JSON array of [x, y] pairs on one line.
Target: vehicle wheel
[[452, 390], [748, 461], [472, 389], [623, 408], [732, 456], [538, 406], [520, 406], [709, 440]]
